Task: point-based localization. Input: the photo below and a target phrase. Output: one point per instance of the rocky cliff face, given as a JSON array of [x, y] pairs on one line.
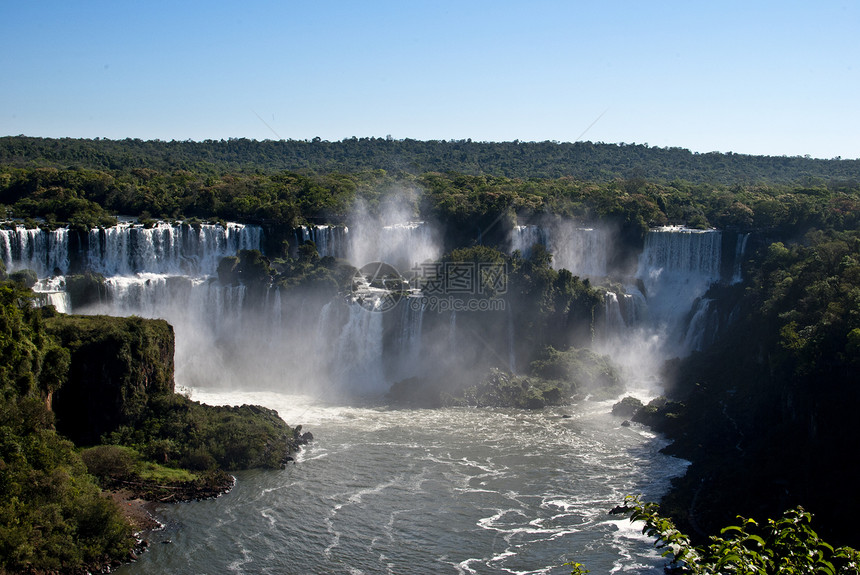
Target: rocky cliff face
[[117, 364]]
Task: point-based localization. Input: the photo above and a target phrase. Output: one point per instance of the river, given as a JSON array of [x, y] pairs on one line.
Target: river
[[457, 490]]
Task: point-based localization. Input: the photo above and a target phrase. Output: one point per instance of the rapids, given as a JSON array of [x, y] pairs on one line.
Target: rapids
[[458, 490]]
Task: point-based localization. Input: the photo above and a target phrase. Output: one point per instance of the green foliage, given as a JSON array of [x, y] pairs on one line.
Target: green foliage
[[110, 461], [147, 161], [26, 278], [583, 368], [177, 432], [287, 183], [500, 389], [51, 513], [764, 413], [116, 365], [252, 268], [787, 545], [551, 307]]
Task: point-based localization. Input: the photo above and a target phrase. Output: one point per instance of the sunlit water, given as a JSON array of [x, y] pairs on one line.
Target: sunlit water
[[426, 491]]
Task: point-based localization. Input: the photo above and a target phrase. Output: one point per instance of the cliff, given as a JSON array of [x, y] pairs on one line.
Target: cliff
[[117, 365]]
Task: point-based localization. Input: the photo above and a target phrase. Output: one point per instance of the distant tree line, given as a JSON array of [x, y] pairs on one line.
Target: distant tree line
[[582, 160]]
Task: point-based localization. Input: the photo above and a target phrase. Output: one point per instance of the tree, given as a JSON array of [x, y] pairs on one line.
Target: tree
[[787, 545]]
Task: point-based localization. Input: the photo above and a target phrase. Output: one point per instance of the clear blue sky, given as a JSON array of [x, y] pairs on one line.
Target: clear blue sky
[[775, 78]]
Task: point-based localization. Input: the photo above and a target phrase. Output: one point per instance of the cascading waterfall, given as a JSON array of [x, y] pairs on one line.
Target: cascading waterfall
[[161, 271], [740, 251], [676, 267], [44, 252], [329, 240], [237, 337], [175, 249], [410, 336], [402, 245], [615, 323], [524, 238], [358, 349], [51, 291], [582, 250], [512, 340], [703, 324]]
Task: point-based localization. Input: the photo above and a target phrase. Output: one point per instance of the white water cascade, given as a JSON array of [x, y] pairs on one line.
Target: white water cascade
[[582, 250], [524, 238], [740, 252], [174, 249], [44, 252], [358, 352], [676, 268], [329, 240], [402, 245]]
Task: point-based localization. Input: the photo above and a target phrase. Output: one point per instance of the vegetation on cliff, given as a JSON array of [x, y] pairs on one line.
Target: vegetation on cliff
[[97, 380], [52, 515], [557, 378], [766, 413]]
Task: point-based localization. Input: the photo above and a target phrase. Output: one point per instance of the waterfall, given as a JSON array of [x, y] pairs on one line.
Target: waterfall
[[329, 240], [524, 238], [175, 249], [44, 252], [452, 332], [677, 266], [412, 319], [402, 245], [358, 352], [583, 251], [702, 327], [512, 354], [615, 323], [127, 248], [740, 251], [52, 291]]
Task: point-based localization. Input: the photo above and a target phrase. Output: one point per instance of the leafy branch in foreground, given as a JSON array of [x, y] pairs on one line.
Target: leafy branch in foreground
[[787, 545]]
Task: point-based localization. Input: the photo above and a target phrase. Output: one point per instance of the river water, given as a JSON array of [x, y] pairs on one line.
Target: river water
[[459, 490]]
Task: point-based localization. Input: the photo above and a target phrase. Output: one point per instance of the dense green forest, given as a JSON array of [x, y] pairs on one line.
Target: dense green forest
[[581, 160], [85, 198]]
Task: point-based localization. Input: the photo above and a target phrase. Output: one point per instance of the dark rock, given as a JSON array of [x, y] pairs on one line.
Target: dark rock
[[627, 407]]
